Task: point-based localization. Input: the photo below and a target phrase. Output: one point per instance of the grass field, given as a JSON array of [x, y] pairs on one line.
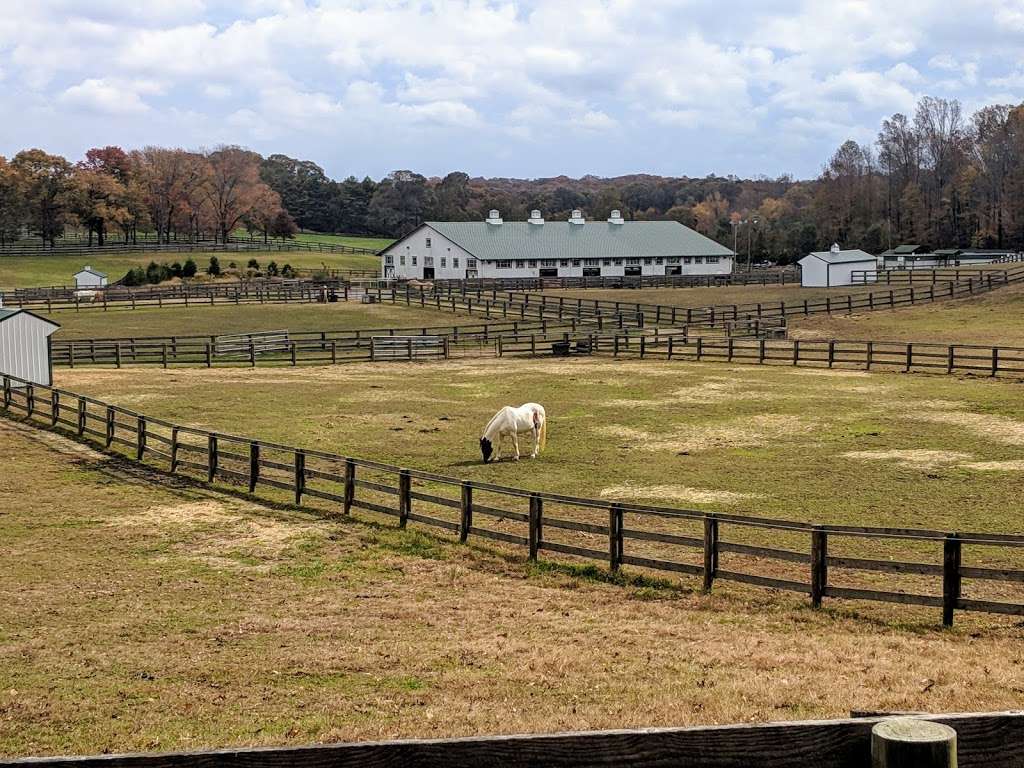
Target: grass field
[[58, 269], [227, 318], [813, 445], [996, 318], [143, 613], [703, 297], [356, 241]]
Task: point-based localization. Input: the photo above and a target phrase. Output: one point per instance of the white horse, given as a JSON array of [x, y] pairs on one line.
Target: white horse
[[509, 422]]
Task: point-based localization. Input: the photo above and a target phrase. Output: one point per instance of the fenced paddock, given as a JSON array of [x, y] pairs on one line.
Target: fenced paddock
[[992, 740], [942, 570]]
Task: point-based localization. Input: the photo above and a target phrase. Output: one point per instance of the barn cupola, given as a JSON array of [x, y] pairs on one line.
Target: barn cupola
[[577, 217], [835, 248], [616, 217], [535, 217], [493, 217]]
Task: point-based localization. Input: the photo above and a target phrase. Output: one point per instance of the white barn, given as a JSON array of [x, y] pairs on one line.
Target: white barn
[[826, 269], [456, 250], [90, 278], [25, 345]]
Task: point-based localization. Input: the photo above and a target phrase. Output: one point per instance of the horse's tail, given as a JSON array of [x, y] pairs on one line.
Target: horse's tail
[[543, 432]]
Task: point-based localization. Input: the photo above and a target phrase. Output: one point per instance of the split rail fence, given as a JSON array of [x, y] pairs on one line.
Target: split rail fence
[[947, 571]]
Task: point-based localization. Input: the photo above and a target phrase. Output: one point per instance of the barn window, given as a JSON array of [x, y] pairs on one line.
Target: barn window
[[428, 261], [444, 262], [672, 260], [711, 259], [455, 261], [591, 262], [401, 259], [565, 263], [687, 260], [471, 263], [698, 259], [648, 261], [520, 265], [548, 263], [414, 261], [575, 262], [389, 260], [428, 242], [617, 262], [632, 261], [503, 264], [658, 260]]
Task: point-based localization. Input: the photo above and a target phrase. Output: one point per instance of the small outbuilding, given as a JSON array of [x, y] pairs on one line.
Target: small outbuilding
[[90, 278], [25, 350], [826, 269]]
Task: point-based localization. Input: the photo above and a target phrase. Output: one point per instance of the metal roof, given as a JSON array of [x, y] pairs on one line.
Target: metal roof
[[839, 257], [562, 240], [901, 250], [7, 313]]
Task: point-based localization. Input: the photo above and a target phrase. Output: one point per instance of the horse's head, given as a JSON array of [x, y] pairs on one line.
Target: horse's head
[[486, 449]]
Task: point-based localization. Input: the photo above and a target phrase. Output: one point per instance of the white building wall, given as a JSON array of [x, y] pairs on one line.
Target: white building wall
[[411, 256], [813, 272], [610, 267], [842, 274], [89, 280], [25, 348]]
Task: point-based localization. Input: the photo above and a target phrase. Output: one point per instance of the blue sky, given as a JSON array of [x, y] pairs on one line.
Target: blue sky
[[498, 89]]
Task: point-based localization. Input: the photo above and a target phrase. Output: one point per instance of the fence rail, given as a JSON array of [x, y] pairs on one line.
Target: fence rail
[[149, 246], [760, 277], [989, 740], [820, 561]]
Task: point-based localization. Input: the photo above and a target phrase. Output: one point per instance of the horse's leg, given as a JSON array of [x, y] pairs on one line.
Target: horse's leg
[[515, 443]]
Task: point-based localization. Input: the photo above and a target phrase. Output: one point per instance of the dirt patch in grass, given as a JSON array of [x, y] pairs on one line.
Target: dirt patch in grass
[[737, 433], [999, 429], [680, 493], [995, 466], [918, 458]]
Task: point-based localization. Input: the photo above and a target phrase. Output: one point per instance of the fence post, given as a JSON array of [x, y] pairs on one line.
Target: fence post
[[110, 426], [163, 355], [615, 543], [404, 497], [951, 356], [467, 512], [995, 360], [710, 550], [293, 352], [819, 564], [252, 353], [350, 485], [81, 413], [117, 354], [54, 407], [300, 475], [536, 523], [831, 353], [951, 551], [910, 356], [906, 741], [174, 449], [211, 457], [140, 437], [30, 399]]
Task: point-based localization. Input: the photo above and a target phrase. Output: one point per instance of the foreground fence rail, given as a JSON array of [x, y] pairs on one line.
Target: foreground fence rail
[[991, 740], [949, 571]]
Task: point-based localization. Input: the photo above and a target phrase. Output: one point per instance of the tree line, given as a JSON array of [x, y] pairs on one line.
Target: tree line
[[936, 178], [174, 193]]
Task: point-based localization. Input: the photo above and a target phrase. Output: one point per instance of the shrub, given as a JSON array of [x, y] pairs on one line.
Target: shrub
[[190, 268], [272, 269], [176, 269], [214, 268], [253, 265], [134, 276], [287, 271], [156, 273]]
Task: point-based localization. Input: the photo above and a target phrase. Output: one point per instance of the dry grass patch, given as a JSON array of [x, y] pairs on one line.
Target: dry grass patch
[[680, 493], [998, 429], [911, 458], [738, 433]]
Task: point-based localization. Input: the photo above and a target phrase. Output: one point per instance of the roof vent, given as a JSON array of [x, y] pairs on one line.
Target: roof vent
[[87, 268], [835, 248], [493, 217], [577, 217], [616, 217], [535, 217]]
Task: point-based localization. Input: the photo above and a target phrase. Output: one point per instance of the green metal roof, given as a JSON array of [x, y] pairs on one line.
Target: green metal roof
[[562, 240], [904, 249]]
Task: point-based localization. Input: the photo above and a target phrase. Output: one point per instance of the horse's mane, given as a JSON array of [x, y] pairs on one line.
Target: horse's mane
[[493, 419]]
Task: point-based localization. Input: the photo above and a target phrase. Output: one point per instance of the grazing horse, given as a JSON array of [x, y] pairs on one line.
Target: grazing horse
[[509, 422]]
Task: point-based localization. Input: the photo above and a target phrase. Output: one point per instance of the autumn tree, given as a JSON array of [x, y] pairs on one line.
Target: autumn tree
[[232, 187], [46, 184]]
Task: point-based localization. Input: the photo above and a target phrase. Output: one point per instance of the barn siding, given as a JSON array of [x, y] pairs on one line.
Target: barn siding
[[25, 348]]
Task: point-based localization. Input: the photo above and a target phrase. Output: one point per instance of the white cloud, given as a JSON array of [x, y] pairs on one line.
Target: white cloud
[[107, 97]]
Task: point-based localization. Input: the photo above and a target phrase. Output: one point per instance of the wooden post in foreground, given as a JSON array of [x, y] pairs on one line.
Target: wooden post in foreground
[[350, 485], [404, 497], [536, 517], [710, 550], [905, 742]]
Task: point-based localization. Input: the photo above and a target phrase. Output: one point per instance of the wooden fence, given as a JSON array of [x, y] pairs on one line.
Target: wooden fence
[[867, 355], [911, 276], [990, 740], [950, 571], [758, 277], [202, 246]]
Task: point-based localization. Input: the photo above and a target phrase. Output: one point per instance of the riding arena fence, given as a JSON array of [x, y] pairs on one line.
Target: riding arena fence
[[948, 571]]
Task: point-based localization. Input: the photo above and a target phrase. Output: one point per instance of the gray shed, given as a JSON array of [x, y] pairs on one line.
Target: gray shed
[[25, 345]]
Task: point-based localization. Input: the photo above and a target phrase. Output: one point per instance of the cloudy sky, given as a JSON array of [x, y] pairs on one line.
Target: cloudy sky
[[684, 87]]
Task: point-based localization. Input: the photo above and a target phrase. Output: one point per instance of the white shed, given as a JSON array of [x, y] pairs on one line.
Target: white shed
[[25, 346], [825, 269], [90, 278]]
